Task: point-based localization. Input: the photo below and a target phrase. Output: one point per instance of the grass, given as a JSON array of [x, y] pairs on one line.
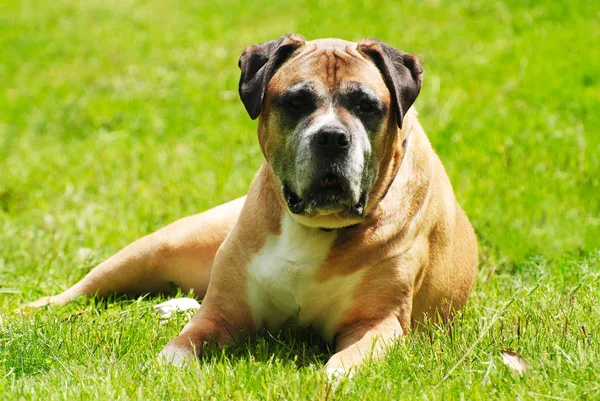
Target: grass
[[119, 117]]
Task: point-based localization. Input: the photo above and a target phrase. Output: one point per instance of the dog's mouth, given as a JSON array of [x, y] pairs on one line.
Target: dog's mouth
[[331, 194], [330, 188]]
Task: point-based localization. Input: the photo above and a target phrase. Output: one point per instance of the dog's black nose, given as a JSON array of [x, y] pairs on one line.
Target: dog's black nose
[[332, 141]]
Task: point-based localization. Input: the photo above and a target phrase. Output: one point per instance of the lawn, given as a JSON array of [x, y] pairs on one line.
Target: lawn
[[118, 117]]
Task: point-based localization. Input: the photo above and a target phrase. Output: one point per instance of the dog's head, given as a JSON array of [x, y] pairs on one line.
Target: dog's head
[[329, 117]]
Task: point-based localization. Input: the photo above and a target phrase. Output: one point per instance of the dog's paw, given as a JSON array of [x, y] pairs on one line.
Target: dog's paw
[[56, 300], [177, 356], [37, 304], [166, 309], [337, 373]]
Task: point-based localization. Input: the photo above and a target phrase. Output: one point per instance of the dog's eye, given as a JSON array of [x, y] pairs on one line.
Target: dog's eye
[[366, 107], [298, 103]]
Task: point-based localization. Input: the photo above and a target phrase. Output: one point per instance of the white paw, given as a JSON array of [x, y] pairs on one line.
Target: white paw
[[336, 373], [166, 309], [175, 355]]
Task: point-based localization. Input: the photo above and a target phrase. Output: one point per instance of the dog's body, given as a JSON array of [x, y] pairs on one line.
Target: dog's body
[[350, 226]]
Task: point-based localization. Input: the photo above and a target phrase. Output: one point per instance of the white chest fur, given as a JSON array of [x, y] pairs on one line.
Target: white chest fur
[[282, 284]]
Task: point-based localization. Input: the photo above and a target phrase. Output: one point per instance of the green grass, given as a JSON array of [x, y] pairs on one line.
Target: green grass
[[117, 117]]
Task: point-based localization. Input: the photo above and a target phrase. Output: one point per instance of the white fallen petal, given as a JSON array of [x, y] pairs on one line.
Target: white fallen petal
[[166, 309], [83, 254], [515, 361]]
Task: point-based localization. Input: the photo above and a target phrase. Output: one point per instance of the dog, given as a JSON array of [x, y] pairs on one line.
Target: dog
[[350, 226]]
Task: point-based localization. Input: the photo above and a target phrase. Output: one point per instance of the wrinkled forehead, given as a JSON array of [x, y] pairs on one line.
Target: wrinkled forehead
[[329, 66]]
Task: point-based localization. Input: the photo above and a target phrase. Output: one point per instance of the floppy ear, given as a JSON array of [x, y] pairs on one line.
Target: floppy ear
[[401, 72], [258, 64]]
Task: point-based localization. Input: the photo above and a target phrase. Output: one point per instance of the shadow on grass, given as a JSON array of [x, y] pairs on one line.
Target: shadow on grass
[[301, 345]]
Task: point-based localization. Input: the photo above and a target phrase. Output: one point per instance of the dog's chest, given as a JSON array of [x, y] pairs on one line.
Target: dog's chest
[[282, 282]]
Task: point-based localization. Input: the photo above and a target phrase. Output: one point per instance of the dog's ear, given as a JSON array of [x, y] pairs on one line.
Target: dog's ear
[[401, 73], [258, 64]]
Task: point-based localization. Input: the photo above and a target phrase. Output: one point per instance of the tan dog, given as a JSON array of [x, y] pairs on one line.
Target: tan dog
[[350, 226]]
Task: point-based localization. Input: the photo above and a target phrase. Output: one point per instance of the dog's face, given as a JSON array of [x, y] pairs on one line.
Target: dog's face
[[329, 117]]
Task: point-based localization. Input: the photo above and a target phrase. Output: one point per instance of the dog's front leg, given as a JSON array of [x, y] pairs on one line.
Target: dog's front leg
[[225, 313], [207, 325], [361, 341]]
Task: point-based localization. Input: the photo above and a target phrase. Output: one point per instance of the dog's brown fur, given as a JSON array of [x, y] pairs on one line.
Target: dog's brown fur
[[415, 248]]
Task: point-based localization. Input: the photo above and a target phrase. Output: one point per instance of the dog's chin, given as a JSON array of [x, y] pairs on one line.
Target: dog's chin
[[328, 222]]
